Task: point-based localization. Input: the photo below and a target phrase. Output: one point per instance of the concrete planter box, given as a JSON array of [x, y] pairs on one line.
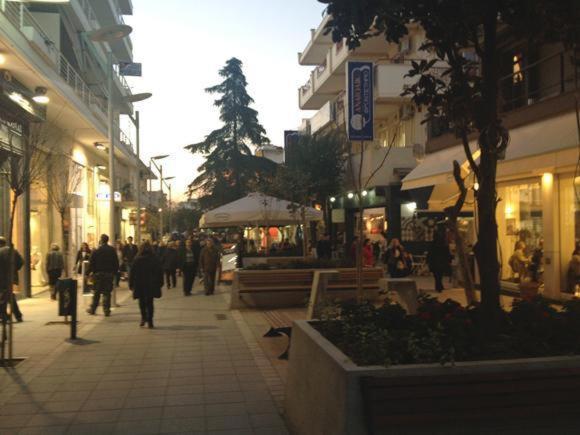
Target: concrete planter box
[[324, 396]]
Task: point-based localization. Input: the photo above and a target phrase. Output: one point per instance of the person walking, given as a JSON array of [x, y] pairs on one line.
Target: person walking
[[367, 254], [170, 263], [188, 263], [103, 265], [129, 253], [146, 280], [54, 266], [84, 254], [324, 247], [209, 259], [7, 296], [120, 251], [439, 259]]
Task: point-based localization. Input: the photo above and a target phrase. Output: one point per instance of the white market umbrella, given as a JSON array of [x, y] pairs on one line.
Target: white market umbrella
[[256, 209]]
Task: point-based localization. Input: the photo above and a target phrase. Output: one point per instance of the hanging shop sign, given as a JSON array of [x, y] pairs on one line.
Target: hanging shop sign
[[133, 69], [360, 103]]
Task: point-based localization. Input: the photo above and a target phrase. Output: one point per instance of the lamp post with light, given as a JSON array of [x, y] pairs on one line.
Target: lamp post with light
[[152, 161]]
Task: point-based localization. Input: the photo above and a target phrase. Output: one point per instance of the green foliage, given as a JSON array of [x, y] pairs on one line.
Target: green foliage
[[313, 170], [186, 219], [445, 332], [230, 168]]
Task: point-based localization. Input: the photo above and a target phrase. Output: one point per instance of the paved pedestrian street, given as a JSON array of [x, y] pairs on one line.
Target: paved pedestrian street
[[199, 371]]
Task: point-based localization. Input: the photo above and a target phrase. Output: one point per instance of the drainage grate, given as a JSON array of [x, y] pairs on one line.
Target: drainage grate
[[221, 317]]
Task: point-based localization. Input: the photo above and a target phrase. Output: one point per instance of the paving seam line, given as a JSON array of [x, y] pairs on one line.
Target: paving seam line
[[30, 369], [263, 363]]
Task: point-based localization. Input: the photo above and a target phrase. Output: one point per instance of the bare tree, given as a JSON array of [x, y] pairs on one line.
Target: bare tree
[[26, 166], [63, 177]]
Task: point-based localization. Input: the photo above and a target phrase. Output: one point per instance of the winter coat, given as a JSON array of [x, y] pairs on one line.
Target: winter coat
[[104, 259], [170, 259], [439, 258], [82, 256], [146, 277], [368, 258], [54, 261], [209, 258], [183, 257], [17, 264], [129, 253]]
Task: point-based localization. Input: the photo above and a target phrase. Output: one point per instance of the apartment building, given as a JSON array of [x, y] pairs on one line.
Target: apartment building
[[397, 125], [538, 180], [47, 50]]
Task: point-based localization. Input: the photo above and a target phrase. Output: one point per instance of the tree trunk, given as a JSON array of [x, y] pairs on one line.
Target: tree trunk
[[64, 239], [486, 248]]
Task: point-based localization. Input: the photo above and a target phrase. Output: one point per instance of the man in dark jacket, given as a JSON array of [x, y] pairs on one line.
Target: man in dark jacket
[[6, 296], [188, 262], [170, 262], [129, 254], [146, 280], [209, 261], [103, 265], [324, 248]]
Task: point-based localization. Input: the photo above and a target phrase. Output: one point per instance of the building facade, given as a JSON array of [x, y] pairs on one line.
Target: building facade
[[537, 181], [49, 50], [399, 132]]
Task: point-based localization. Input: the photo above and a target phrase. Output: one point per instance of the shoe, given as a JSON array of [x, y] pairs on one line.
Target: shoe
[[91, 312], [19, 319], [108, 314], [142, 323], [150, 325]]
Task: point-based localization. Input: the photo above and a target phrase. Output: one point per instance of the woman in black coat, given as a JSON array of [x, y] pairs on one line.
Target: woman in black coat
[[439, 259], [146, 280]]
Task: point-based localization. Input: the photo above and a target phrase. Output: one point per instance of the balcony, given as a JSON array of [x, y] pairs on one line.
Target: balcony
[[399, 159], [322, 118], [109, 13], [317, 47]]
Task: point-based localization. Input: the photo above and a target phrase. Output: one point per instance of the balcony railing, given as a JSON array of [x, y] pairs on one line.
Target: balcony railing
[[547, 77], [89, 12], [21, 18]]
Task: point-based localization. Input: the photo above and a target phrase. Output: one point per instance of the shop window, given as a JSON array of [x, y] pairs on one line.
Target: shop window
[[569, 232], [520, 226]]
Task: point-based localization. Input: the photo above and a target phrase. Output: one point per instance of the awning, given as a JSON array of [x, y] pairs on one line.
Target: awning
[[536, 146], [256, 209]]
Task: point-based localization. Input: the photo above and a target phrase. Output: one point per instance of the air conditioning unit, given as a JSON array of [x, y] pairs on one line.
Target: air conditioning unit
[[406, 112]]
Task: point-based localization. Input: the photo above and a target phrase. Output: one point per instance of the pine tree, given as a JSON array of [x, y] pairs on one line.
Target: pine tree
[[230, 168]]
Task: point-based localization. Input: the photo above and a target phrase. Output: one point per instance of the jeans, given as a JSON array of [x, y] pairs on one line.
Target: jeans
[[438, 281], [146, 307], [15, 309], [171, 277], [209, 281], [189, 271], [103, 285]]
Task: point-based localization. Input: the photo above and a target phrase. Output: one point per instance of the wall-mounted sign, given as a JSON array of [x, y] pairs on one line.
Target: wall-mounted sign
[[105, 196], [360, 104], [133, 69]]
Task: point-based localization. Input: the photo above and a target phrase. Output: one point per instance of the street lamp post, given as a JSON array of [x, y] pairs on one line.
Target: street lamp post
[[170, 206], [152, 160]]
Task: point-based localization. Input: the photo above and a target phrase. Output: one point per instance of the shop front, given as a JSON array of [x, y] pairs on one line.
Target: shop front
[[538, 216]]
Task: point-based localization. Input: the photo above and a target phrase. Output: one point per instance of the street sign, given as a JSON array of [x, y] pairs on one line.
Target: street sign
[[360, 103], [133, 69]]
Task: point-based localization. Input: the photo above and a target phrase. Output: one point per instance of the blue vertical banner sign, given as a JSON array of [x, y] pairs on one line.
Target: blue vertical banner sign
[[360, 104]]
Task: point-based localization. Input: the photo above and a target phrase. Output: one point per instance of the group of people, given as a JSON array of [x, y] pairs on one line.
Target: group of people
[[148, 267]]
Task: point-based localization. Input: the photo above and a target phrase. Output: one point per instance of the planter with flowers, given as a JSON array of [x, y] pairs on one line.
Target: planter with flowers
[[439, 360]]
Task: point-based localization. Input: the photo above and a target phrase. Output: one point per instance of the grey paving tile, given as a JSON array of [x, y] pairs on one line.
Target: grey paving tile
[[138, 427], [10, 423], [231, 432], [261, 407], [227, 397], [222, 388], [218, 409], [108, 416], [183, 425], [271, 431], [18, 409], [103, 404], [92, 429], [63, 396], [188, 411], [184, 399], [51, 419], [46, 430], [144, 402], [185, 389], [266, 420], [227, 422]]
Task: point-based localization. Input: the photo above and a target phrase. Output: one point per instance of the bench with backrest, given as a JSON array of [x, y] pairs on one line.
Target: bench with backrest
[[429, 404], [275, 281]]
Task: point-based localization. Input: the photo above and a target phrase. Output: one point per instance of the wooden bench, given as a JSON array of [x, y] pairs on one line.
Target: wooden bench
[[280, 324], [424, 404]]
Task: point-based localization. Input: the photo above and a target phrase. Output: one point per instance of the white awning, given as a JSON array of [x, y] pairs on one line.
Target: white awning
[[543, 140], [256, 209]]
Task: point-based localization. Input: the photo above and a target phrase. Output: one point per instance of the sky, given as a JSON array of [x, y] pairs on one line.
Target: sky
[[183, 44]]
